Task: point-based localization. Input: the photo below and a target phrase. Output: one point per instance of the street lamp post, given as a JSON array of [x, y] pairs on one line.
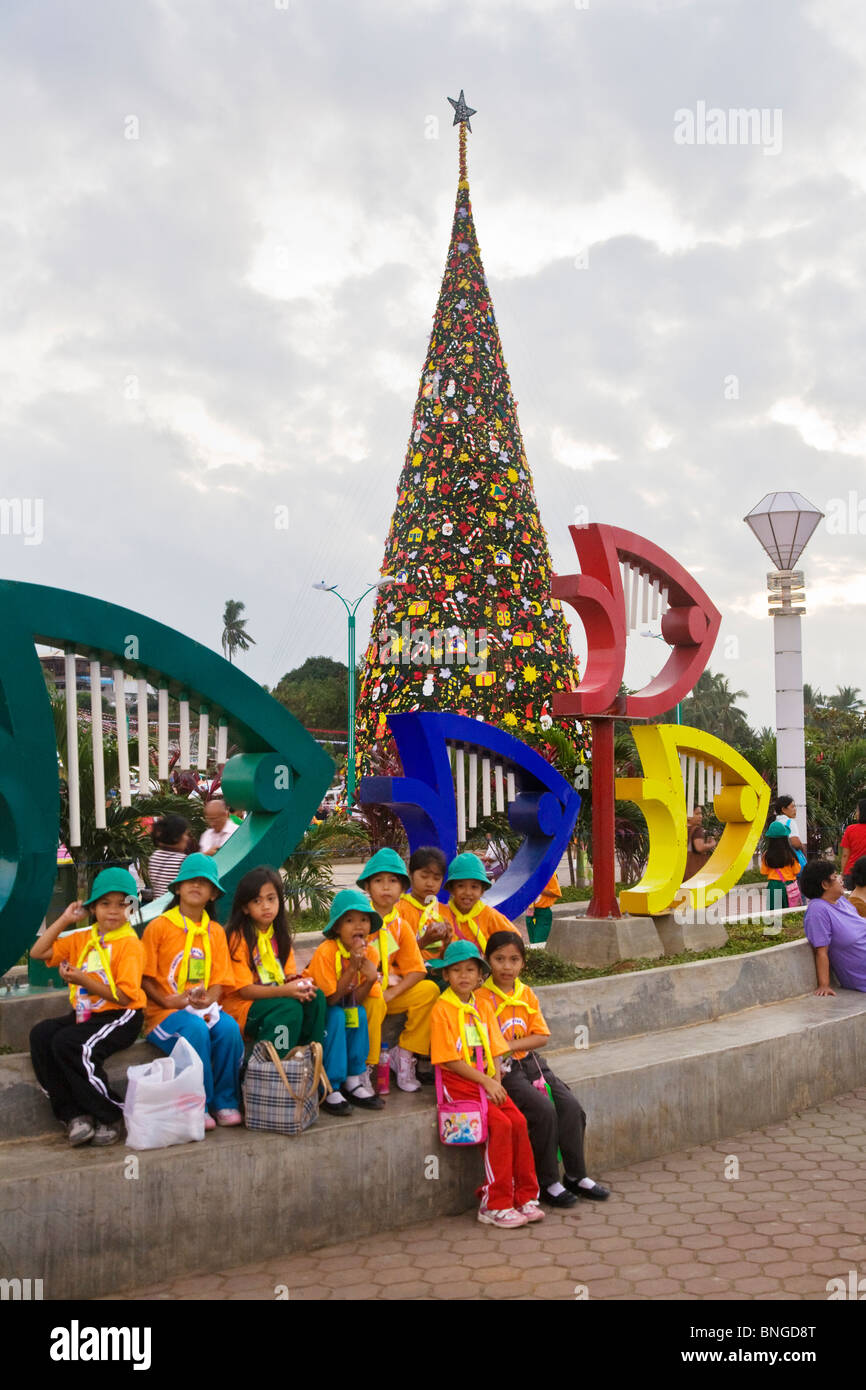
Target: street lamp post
[[784, 522], [351, 610]]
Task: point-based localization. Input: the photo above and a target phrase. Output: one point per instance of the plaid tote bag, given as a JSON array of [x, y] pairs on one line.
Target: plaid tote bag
[[282, 1095]]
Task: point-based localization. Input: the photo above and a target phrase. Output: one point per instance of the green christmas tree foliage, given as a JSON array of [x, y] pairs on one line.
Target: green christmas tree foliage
[[472, 627]]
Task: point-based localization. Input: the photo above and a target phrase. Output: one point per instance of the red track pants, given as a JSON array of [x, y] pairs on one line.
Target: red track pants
[[509, 1167]]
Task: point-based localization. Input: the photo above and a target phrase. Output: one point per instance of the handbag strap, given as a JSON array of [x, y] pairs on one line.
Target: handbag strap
[[440, 1095], [320, 1076], [316, 1074]]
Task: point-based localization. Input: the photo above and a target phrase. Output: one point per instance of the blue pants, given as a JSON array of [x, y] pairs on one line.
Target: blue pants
[[345, 1049], [220, 1048]]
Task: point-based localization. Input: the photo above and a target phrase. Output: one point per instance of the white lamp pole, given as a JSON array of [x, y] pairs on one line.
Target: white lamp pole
[[783, 522]]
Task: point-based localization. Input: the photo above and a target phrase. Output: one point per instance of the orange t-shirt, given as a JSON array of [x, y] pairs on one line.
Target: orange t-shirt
[[164, 943], [246, 972], [517, 1017], [550, 894], [322, 969], [406, 957], [446, 1044], [478, 925], [126, 957]]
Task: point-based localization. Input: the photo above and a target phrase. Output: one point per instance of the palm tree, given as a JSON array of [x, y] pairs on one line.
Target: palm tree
[[847, 698], [235, 637], [712, 707], [308, 878], [813, 700]]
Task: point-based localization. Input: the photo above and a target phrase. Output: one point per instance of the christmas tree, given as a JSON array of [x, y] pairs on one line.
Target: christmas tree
[[468, 624]]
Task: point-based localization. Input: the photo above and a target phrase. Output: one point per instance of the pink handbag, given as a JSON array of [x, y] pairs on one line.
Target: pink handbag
[[461, 1121]]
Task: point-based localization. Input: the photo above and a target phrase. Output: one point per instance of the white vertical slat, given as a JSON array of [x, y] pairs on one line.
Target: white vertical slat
[[485, 786], [122, 725], [512, 790], [701, 787], [500, 788], [72, 779], [718, 780], [473, 790], [665, 601], [203, 736], [222, 741], [684, 767], [656, 597], [143, 753], [690, 789], [96, 741], [644, 597], [184, 735], [635, 595], [460, 788], [625, 571], [162, 734]]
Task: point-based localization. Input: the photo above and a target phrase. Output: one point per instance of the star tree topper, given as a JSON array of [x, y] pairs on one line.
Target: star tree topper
[[462, 112]]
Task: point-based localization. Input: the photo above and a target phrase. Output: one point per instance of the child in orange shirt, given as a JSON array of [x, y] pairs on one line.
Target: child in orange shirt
[[539, 919], [344, 968], [420, 906], [556, 1120], [466, 1042], [102, 965], [467, 916], [187, 968], [402, 971], [271, 1001]]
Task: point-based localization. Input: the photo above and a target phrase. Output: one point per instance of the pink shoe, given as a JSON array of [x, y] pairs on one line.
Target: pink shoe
[[532, 1211], [229, 1117], [209, 1121], [506, 1218]]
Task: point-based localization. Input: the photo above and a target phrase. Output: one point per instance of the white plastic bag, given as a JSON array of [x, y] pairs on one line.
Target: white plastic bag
[[165, 1100]]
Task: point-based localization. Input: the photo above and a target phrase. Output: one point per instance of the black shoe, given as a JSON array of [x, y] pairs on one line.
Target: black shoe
[[343, 1109], [562, 1199], [426, 1075], [592, 1194], [366, 1102]]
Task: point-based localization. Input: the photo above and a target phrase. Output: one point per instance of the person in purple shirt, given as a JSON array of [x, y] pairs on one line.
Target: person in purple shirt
[[834, 928]]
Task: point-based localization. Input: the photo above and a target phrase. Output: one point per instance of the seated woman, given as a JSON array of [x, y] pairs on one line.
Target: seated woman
[[834, 928]]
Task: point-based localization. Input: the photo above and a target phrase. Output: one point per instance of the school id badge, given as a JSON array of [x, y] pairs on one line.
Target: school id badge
[[351, 1016], [196, 970]]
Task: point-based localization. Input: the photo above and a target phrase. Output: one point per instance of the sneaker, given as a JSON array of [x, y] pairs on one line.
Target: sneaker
[[229, 1117], [403, 1064], [104, 1135], [506, 1218], [209, 1121], [531, 1210], [80, 1130]]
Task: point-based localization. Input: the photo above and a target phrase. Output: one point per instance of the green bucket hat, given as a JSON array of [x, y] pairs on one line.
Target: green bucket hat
[[112, 881], [350, 900], [467, 866], [777, 831], [387, 861], [198, 866], [457, 951]]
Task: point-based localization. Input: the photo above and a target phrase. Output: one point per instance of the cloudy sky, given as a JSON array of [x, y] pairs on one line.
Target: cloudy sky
[[223, 225]]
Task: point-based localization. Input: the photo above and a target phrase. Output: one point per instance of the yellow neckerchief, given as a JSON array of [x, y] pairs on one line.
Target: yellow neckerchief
[[384, 938], [342, 954], [95, 942], [468, 923], [268, 962], [410, 898], [430, 913], [192, 930], [451, 998], [508, 1000]]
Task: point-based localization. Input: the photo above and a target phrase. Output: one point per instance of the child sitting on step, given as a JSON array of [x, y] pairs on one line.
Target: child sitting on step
[[345, 968], [271, 1000], [466, 1042], [402, 971], [420, 907], [555, 1118], [467, 916], [102, 964], [187, 968]]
